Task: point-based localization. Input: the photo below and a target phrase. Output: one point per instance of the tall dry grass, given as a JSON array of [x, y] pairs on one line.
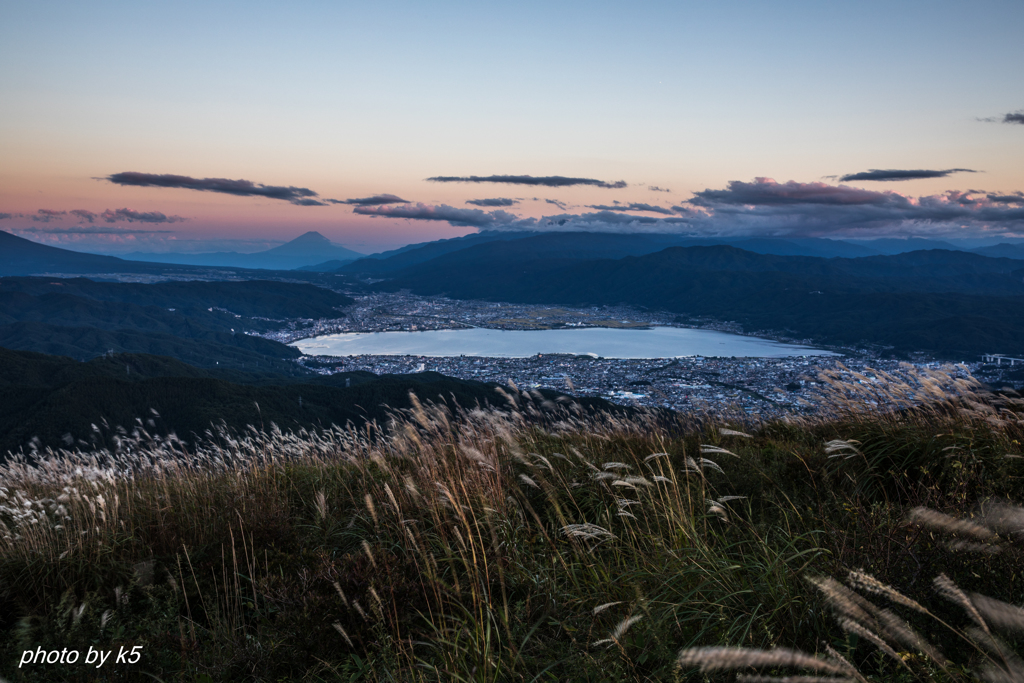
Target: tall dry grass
[[926, 406], [529, 543]]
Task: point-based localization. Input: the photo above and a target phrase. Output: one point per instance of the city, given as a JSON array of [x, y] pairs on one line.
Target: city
[[758, 387]]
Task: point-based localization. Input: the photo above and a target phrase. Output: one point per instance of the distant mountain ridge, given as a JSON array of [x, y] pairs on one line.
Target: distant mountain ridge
[[307, 249], [19, 256], [411, 254], [199, 322], [951, 303], [1002, 250], [943, 269], [617, 245], [575, 245]]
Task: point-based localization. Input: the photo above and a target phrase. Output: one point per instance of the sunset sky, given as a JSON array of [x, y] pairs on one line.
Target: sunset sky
[[236, 126]]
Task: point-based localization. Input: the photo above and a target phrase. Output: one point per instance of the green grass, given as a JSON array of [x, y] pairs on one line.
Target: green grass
[[537, 543]]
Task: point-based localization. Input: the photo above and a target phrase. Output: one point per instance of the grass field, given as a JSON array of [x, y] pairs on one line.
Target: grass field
[[538, 542]]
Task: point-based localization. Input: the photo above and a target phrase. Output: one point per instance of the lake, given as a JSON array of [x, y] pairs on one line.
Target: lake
[[655, 342]]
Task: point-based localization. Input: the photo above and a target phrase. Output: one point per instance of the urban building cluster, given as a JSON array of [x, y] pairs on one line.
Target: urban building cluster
[[402, 312], [765, 387], [756, 386]]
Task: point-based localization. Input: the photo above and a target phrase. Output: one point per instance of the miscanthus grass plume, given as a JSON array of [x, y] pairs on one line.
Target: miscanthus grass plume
[[535, 541]]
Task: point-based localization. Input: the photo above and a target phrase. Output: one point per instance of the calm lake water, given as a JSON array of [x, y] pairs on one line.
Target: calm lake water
[[657, 342]]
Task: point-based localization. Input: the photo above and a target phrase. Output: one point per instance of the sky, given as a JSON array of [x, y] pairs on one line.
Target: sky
[[236, 126]]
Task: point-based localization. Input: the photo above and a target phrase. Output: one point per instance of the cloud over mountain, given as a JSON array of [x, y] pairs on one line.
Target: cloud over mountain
[[545, 181], [793, 208], [766, 207], [599, 221], [301, 196], [894, 174], [634, 206], [474, 218]]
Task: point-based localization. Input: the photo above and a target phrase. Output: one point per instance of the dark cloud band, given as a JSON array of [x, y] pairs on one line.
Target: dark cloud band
[[767, 192], [84, 215], [817, 209], [895, 174], [110, 216], [132, 216], [1015, 117], [495, 202], [794, 209], [473, 218], [1015, 198], [242, 188], [47, 215], [766, 207], [545, 181], [375, 200]]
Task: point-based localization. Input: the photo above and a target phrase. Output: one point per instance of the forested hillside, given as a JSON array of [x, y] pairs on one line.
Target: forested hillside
[[202, 323], [952, 304], [57, 400]]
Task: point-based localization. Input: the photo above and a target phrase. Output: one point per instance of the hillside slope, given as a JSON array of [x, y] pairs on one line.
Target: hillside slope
[[943, 302], [203, 323], [57, 400]]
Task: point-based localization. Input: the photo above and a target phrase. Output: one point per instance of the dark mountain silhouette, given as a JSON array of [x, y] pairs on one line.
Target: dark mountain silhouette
[[204, 348], [946, 302], [250, 298], [306, 246], [584, 245], [807, 246], [56, 400], [890, 246], [1002, 250], [202, 323], [396, 259], [517, 247], [19, 256], [544, 255]]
